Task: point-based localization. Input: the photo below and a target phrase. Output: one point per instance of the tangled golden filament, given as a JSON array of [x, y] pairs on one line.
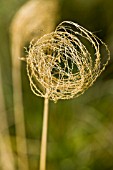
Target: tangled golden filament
[[66, 62]]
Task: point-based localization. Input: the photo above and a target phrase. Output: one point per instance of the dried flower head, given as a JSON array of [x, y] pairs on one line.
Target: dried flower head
[[66, 62]]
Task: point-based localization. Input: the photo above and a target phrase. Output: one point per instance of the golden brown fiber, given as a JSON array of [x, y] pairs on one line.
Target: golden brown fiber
[[66, 62]]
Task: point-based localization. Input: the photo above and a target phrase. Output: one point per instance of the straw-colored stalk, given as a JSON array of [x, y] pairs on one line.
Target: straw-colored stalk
[[44, 136], [35, 18]]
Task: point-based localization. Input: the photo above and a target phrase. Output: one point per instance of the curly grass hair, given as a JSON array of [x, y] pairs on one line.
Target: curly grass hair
[[66, 62]]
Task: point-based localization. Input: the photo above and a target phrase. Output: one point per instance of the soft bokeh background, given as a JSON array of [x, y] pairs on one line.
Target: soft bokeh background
[[80, 132]]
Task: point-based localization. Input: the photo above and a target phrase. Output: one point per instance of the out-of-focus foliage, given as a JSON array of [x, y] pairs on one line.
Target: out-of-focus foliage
[[80, 135]]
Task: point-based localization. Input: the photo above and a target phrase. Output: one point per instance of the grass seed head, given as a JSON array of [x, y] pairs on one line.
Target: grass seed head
[[66, 62]]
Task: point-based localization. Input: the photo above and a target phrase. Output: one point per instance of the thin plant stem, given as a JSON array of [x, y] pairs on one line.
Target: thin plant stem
[[44, 136], [19, 111]]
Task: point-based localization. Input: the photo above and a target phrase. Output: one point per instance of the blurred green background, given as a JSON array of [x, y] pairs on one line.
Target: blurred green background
[[80, 131]]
